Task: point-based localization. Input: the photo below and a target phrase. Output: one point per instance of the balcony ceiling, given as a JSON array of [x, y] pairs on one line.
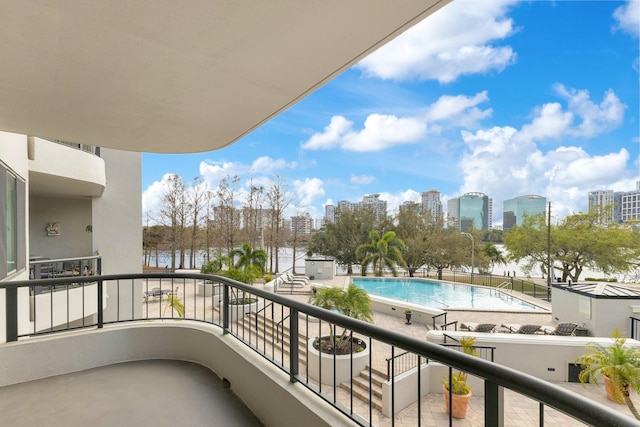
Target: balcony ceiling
[[168, 76]]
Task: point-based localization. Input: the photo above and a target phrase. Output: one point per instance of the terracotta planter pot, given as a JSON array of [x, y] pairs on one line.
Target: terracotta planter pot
[[613, 393], [459, 403]]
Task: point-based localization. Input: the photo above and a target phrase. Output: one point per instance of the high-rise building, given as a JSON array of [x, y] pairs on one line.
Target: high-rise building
[[371, 201], [514, 210], [301, 224], [432, 204], [329, 213], [630, 204], [470, 211], [616, 207], [603, 202]]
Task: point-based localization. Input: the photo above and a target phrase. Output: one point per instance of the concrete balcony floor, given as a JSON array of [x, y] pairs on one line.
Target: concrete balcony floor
[[145, 393]]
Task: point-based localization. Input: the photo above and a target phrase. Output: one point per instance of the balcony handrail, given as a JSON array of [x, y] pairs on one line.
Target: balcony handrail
[[495, 375], [52, 260]]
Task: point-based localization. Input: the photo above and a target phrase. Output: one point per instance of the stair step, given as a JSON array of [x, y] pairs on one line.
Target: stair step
[[363, 395], [363, 384], [376, 378]]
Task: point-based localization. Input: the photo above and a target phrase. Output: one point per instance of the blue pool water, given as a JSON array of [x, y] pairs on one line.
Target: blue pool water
[[442, 294]]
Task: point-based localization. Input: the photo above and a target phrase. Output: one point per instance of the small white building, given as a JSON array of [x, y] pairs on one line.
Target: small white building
[[320, 268], [597, 307]]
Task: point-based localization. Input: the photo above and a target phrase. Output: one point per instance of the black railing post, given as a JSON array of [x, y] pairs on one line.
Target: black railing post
[[100, 305], [11, 310], [225, 309], [294, 345], [493, 404]]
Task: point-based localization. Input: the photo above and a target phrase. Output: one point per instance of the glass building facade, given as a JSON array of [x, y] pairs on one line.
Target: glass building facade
[[514, 210]]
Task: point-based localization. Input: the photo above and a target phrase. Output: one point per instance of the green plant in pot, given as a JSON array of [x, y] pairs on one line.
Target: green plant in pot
[[408, 312], [353, 302], [460, 388], [616, 363]]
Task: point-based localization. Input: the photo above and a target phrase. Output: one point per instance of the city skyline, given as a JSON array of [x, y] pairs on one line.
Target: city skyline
[[507, 99]]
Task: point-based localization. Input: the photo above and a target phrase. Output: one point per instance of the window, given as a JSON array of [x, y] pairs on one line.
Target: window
[[12, 223], [13, 256]]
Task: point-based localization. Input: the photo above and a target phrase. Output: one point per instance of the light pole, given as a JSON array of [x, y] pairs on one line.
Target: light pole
[[470, 236]]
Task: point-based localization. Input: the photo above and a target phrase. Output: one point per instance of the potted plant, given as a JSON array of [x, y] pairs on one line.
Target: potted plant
[[617, 364], [340, 349], [408, 312], [457, 390]]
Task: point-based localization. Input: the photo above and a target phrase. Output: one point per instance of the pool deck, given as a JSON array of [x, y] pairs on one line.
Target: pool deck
[[519, 410]]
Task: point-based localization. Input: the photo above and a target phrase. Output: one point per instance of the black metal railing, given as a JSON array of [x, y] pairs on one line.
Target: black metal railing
[[45, 268], [292, 355]]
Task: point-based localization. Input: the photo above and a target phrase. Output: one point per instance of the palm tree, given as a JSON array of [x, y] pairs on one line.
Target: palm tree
[[494, 255], [621, 364], [176, 305], [215, 265], [249, 257], [385, 251], [353, 302]]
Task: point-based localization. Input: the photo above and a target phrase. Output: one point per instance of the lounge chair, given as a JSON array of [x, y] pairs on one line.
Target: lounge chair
[[522, 329], [479, 327], [564, 329], [289, 281]]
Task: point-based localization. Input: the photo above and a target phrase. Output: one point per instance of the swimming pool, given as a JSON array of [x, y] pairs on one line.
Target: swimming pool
[[443, 295]]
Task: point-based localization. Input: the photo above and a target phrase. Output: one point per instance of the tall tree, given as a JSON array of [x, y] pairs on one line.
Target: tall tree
[[383, 251], [172, 213], [253, 217], [226, 210], [278, 199], [341, 238], [197, 199], [578, 242], [411, 228]]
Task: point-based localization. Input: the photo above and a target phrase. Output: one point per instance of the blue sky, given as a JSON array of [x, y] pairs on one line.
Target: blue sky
[[504, 97]]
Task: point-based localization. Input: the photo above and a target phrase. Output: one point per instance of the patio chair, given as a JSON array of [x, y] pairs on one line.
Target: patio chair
[[522, 329], [479, 327], [564, 329]]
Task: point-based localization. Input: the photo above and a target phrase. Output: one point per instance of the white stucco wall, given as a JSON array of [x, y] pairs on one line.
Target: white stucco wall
[[599, 315], [117, 224], [544, 356], [73, 214]]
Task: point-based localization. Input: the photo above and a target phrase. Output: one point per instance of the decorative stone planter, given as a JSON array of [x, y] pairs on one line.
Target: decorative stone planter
[[238, 311], [343, 364]]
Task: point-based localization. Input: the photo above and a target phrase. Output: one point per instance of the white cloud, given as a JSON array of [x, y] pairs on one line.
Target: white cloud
[[214, 172], [152, 200], [308, 191], [332, 135], [268, 165], [459, 110], [454, 41], [628, 18], [379, 133], [362, 179], [504, 162], [395, 200], [383, 131], [596, 118]]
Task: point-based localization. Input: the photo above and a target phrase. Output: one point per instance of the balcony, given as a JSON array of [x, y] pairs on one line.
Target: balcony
[[262, 354], [58, 169]]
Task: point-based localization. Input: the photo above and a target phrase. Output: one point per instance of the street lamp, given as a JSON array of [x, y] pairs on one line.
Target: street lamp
[[470, 236]]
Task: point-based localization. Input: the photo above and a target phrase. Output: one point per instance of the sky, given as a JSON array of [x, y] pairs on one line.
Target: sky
[[505, 97]]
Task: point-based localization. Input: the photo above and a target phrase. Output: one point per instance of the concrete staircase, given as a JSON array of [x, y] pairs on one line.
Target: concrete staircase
[[272, 336], [361, 387]]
